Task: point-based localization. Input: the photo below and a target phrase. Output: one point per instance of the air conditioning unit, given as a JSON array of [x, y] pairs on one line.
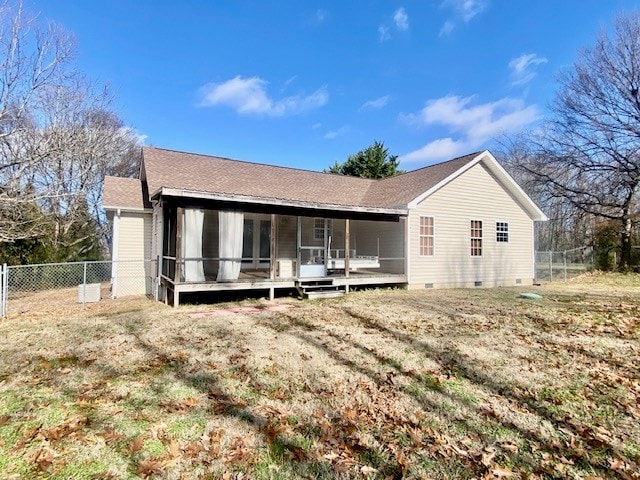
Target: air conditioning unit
[[286, 268], [88, 292]]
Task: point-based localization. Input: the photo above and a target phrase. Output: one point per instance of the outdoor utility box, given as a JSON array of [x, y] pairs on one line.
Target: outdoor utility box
[[88, 292]]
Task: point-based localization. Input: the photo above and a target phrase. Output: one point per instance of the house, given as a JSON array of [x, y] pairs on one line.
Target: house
[[211, 223]]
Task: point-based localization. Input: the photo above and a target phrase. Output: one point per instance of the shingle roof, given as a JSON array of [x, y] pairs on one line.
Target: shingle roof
[[208, 174], [125, 193]]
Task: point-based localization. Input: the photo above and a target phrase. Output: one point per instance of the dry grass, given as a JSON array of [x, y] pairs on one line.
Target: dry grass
[[380, 384]]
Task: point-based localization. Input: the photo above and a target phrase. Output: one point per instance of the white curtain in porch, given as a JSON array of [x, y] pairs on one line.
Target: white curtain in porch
[[192, 245], [231, 225]]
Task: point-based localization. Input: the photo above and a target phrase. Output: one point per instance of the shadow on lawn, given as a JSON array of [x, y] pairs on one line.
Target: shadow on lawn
[[585, 446], [576, 443], [288, 453]]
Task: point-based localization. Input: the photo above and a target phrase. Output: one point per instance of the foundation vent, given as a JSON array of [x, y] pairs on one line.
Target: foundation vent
[[428, 285], [518, 281], [477, 284]]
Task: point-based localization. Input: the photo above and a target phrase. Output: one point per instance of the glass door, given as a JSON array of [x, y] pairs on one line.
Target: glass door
[[256, 243]]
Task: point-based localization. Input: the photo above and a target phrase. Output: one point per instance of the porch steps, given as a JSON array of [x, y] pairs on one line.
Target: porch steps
[[312, 288]]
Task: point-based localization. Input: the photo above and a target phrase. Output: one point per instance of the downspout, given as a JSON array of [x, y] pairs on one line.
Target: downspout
[[115, 254], [407, 247]]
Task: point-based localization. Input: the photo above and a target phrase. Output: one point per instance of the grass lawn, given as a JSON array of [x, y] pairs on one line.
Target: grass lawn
[[377, 384]]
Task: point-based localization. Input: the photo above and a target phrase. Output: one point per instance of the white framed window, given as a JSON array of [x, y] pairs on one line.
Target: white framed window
[[476, 238], [318, 228], [426, 236], [502, 232]]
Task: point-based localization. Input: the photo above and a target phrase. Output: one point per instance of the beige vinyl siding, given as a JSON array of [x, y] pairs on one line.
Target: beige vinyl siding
[[287, 236], [474, 195], [133, 275]]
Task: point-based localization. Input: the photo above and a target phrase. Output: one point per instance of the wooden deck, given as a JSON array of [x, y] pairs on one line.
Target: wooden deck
[[259, 280]]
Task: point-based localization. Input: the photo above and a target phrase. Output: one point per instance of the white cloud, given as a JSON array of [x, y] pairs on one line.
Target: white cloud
[[401, 19], [447, 28], [316, 126], [474, 124], [288, 82], [523, 68], [249, 96], [321, 15], [376, 103], [336, 133], [383, 33], [464, 10], [443, 148], [468, 9], [401, 22]]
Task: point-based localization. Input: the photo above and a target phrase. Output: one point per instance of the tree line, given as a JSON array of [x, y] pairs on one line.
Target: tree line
[[582, 164], [59, 137]]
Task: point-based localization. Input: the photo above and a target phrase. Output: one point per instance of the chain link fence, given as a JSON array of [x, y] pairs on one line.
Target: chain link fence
[[560, 266], [26, 288]]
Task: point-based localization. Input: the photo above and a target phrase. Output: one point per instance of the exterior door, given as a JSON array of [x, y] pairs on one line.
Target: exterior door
[[256, 243], [313, 235]]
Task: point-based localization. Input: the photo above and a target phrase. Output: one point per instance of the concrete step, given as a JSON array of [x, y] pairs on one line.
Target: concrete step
[[324, 294], [319, 288]]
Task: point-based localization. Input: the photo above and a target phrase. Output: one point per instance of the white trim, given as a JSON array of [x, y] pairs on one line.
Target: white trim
[[407, 253], [433, 236], [177, 192], [501, 174], [115, 247], [508, 232], [533, 250], [127, 209], [481, 238]]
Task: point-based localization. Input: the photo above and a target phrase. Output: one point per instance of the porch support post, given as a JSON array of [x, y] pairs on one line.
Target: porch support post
[[178, 273], [347, 253], [299, 240], [272, 249]]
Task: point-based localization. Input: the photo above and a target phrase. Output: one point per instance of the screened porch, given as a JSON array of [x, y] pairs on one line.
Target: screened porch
[[208, 249]]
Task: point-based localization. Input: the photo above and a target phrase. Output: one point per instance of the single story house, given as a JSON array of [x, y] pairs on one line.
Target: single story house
[[209, 223]]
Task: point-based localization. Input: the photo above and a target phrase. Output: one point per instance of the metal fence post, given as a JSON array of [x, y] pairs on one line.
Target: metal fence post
[[84, 284], [551, 265], [3, 290], [564, 259]]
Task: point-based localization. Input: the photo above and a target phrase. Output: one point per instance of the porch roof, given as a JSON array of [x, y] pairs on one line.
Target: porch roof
[[181, 174]]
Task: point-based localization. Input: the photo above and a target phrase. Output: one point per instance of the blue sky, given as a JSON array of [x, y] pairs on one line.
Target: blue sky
[[304, 84]]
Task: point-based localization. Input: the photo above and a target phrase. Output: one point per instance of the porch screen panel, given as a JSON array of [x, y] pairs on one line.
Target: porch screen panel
[[230, 245], [192, 245]]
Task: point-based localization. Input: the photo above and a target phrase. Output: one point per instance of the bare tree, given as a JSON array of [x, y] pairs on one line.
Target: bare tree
[[588, 153], [31, 58], [58, 139]]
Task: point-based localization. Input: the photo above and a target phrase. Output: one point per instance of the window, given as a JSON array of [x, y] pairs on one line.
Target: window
[[318, 228], [476, 238], [502, 232], [426, 236]]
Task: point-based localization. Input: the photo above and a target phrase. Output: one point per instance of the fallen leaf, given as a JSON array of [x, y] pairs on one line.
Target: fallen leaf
[[502, 472], [367, 470], [136, 445]]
